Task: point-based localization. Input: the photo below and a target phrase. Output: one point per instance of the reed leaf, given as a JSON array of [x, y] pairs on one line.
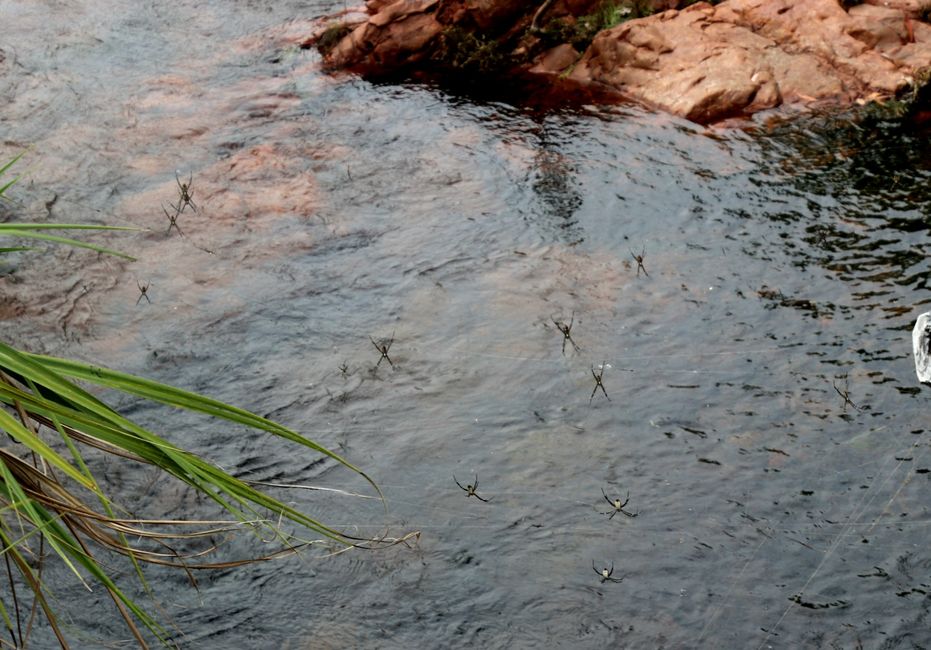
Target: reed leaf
[[30, 234], [9, 184], [179, 398]]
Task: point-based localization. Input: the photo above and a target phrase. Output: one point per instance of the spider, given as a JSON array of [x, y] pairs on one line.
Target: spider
[[173, 220], [185, 193], [639, 260], [143, 292], [618, 506], [383, 347], [598, 383], [606, 574], [566, 333], [470, 490], [845, 394]]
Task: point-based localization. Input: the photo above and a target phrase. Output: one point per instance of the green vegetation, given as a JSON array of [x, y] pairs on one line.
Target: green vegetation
[[472, 54], [51, 499], [38, 230], [581, 31], [331, 37], [477, 54], [916, 99]]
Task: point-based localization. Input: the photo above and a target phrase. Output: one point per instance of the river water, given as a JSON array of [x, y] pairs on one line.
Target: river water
[[786, 264]]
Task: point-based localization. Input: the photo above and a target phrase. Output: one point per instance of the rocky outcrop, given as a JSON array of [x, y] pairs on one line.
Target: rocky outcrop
[[704, 62]]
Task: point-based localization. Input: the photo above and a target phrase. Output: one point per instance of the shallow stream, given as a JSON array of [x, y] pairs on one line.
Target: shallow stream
[[783, 267]]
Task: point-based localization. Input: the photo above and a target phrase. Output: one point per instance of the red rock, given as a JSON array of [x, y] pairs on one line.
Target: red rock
[[913, 8], [705, 62], [556, 60], [479, 14], [397, 32], [878, 28]]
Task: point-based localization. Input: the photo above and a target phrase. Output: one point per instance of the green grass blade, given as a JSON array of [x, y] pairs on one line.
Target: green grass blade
[[7, 621], [79, 409], [23, 435], [12, 162], [61, 389], [64, 240], [4, 188], [104, 501], [179, 398], [31, 510], [152, 451], [10, 227], [5, 168]]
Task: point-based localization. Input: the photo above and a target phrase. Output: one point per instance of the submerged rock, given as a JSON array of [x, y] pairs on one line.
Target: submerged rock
[[704, 62]]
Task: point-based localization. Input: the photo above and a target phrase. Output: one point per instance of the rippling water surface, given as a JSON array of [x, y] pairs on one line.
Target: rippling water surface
[[786, 264]]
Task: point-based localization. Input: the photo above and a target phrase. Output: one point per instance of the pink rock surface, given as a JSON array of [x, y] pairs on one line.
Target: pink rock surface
[[705, 63]]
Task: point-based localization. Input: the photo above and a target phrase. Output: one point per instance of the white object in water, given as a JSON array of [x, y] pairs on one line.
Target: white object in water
[[921, 346]]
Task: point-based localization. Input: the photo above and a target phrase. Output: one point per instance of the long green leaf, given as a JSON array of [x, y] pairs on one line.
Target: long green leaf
[[186, 400], [23, 435], [7, 227], [6, 167], [30, 508], [104, 501], [181, 399], [12, 162], [70, 400], [65, 240], [7, 621]]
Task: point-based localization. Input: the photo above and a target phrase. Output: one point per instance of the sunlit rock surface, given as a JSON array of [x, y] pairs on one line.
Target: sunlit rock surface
[[705, 62]]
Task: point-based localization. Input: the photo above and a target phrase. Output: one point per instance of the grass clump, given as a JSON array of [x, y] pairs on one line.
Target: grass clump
[[580, 32], [331, 37], [471, 53], [916, 99]]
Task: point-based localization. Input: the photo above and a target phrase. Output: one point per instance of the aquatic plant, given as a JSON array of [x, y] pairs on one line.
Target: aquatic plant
[[51, 498]]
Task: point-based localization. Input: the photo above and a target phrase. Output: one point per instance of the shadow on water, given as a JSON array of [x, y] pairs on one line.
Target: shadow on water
[[759, 403], [554, 180], [867, 202]]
